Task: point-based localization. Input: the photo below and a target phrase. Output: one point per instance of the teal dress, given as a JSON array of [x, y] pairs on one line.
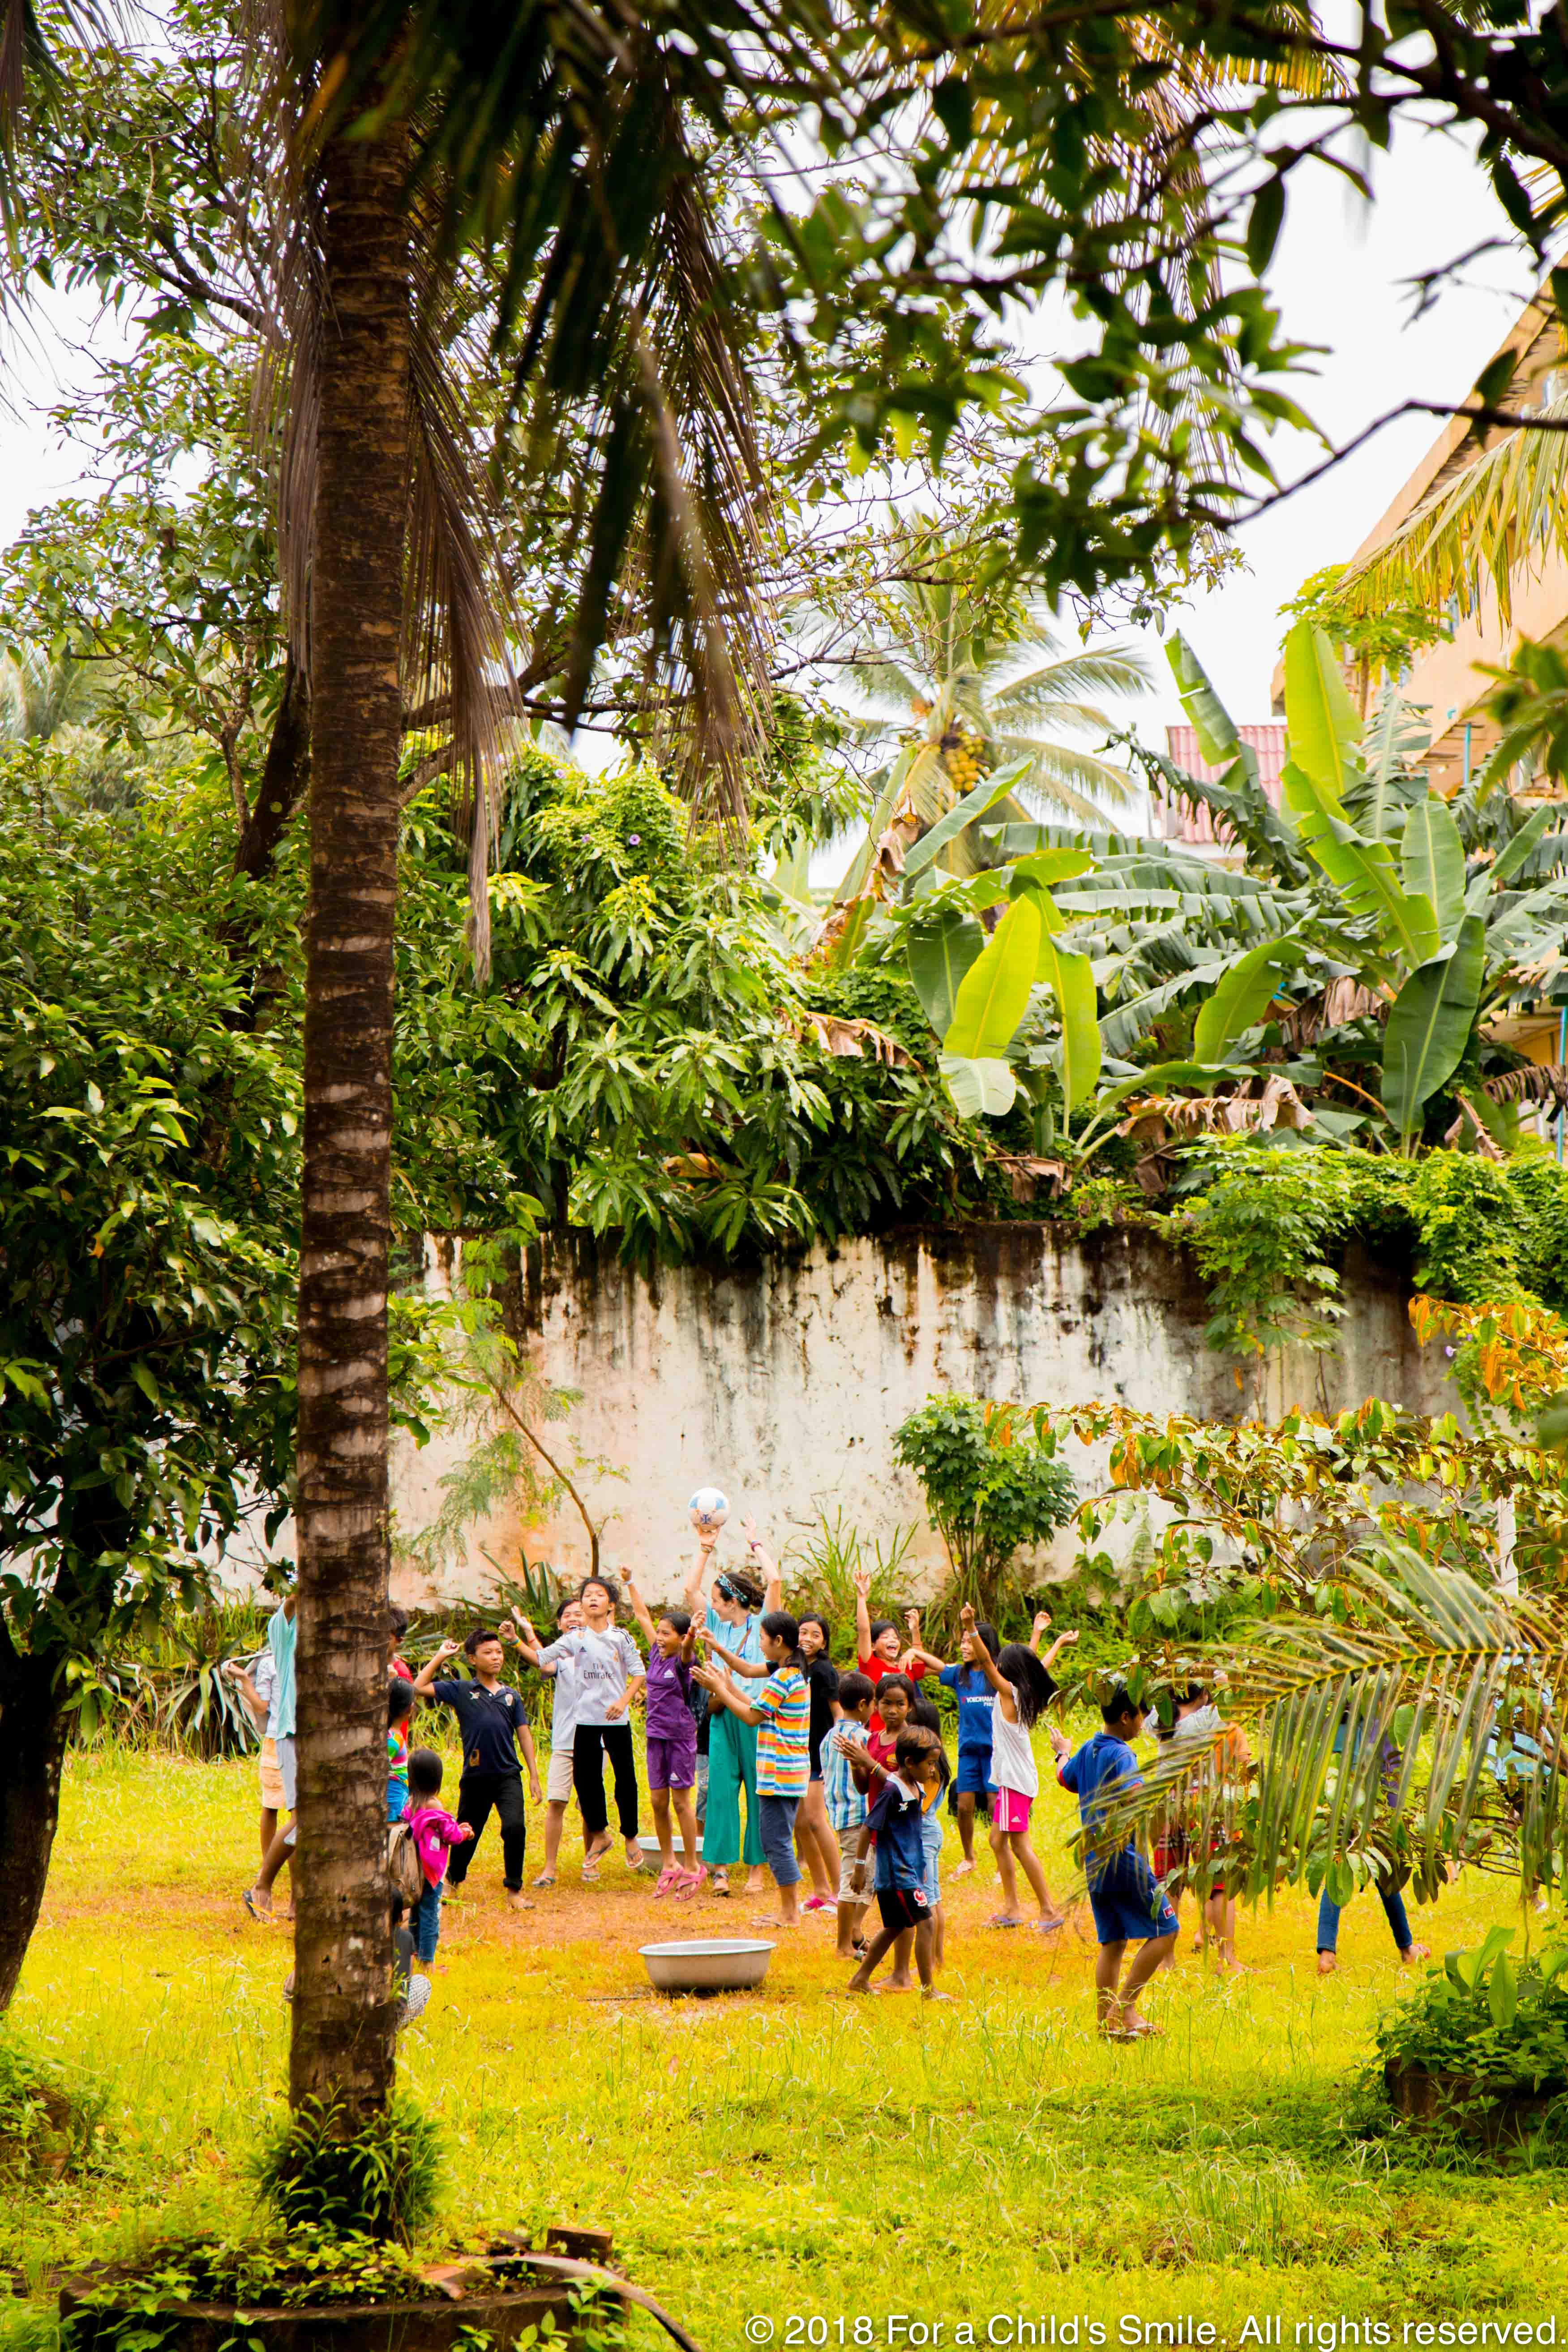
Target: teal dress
[[733, 1760]]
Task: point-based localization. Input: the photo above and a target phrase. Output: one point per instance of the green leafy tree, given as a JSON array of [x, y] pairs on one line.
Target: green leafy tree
[[992, 1485]]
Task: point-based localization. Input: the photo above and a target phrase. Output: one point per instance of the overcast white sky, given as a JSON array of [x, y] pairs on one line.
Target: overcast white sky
[[1338, 278]]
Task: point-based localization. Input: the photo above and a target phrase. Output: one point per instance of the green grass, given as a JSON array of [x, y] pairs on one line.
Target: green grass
[[793, 2153]]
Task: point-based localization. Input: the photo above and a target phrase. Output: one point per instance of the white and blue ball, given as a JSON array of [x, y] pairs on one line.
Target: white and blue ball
[[709, 1510]]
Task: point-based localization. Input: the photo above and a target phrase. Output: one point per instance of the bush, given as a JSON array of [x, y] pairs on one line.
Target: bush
[[47, 2126], [1503, 2025], [990, 1489], [382, 2182]]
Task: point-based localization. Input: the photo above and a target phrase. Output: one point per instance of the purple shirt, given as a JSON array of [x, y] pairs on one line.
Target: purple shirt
[[669, 1691]]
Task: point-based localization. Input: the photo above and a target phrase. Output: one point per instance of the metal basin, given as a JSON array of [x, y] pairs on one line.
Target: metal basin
[[711, 1964], [650, 1846]]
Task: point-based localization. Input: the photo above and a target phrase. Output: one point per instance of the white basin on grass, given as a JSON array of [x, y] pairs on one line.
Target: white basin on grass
[[709, 1964], [650, 1845]]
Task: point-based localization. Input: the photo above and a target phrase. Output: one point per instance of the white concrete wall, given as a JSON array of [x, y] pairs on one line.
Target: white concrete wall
[[784, 1382]]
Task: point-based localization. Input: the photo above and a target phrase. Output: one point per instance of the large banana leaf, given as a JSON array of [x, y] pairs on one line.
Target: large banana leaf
[[1396, 739], [1432, 863], [1511, 859], [1212, 723], [940, 954], [1362, 872], [985, 794], [981, 1087], [994, 994], [1324, 730], [1043, 867], [1430, 1024], [1071, 979], [1242, 996]]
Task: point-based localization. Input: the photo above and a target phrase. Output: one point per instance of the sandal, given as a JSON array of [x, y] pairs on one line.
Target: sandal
[[719, 1883], [264, 1918], [669, 1878], [545, 1878], [690, 1882], [590, 1873], [1003, 1919]]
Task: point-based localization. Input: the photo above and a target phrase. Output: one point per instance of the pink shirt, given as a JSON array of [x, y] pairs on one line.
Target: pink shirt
[[434, 1831]]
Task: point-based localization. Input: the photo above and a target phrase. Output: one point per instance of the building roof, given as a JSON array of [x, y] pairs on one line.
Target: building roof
[[1197, 826]]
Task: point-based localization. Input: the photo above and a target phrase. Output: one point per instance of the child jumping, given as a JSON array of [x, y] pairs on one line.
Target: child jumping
[[1124, 1892], [671, 1733], [1022, 1689], [435, 1833]]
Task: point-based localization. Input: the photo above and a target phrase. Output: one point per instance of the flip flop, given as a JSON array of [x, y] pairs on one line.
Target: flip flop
[[262, 1918], [1049, 1927], [1000, 1919], [545, 1878], [590, 1873]]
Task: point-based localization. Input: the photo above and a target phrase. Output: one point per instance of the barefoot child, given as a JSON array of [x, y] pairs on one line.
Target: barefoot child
[[493, 1722], [815, 1842], [1128, 1906], [932, 1778], [1021, 1690], [894, 1823], [671, 1732], [781, 1713], [846, 1799], [435, 1833]]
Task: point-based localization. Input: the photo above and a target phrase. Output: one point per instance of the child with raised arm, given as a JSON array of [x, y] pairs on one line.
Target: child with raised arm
[[877, 1644], [609, 1671], [893, 1823], [1021, 1690], [1122, 1890], [561, 1673], [671, 1735], [973, 1697], [732, 1621], [493, 1722], [933, 1776], [781, 1711]]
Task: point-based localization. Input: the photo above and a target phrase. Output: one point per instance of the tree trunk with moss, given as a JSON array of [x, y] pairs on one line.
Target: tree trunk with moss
[[342, 2033]]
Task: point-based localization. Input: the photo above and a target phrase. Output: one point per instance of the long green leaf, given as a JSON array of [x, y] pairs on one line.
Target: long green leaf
[[981, 1087], [1045, 867], [1324, 731], [1430, 1024], [940, 952], [1242, 996], [1432, 863], [985, 794], [1362, 872], [1072, 979], [994, 994], [1511, 859], [1212, 723]]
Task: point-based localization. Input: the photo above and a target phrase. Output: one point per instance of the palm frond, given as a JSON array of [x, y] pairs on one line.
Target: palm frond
[[1495, 522]]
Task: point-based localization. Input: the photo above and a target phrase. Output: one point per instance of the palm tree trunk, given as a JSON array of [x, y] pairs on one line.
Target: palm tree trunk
[[32, 1750], [343, 2038]]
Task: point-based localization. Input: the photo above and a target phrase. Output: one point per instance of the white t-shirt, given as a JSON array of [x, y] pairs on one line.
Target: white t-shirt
[[563, 1706], [264, 1675], [604, 1664], [1012, 1764]]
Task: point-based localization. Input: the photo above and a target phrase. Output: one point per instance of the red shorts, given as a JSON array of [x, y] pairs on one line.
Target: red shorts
[[1009, 1810]]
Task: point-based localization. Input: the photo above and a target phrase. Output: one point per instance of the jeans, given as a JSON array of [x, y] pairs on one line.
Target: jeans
[[424, 1920], [1393, 1903], [776, 1823], [591, 1744], [477, 1792], [397, 1798]]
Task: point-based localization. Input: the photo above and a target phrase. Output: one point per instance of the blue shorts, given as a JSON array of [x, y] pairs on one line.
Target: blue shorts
[[973, 1777], [1128, 1906]]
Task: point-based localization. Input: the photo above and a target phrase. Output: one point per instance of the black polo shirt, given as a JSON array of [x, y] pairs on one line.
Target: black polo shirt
[[488, 1720]]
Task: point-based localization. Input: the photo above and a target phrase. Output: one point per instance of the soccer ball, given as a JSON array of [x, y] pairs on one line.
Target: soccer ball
[[709, 1510]]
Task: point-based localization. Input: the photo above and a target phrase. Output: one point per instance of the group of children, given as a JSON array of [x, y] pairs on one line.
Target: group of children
[[844, 1776]]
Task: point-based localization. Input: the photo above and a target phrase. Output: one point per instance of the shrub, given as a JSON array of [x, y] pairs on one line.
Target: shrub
[[1503, 2023], [381, 2182], [990, 1483]]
